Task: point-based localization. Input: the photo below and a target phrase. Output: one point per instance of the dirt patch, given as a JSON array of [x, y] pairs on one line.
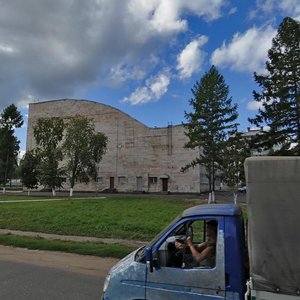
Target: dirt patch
[[85, 264], [50, 236]]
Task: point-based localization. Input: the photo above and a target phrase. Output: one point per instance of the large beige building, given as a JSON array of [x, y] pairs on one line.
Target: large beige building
[[138, 158]]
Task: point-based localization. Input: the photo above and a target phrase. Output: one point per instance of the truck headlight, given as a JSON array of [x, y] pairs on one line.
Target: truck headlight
[[106, 283]]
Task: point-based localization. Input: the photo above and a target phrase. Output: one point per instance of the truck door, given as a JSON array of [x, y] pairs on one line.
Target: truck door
[[177, 275]]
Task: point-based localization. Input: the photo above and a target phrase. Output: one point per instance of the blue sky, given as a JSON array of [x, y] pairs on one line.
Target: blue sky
[[140, 56]]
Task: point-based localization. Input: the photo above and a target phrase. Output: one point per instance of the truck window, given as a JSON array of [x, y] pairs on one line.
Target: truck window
[[190, 245]]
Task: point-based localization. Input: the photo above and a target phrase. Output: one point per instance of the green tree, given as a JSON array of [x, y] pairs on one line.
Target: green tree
[[279, 94], [10, 119], [48, 134], [28, 170], [210, 123], [233, 157], [83, 149]]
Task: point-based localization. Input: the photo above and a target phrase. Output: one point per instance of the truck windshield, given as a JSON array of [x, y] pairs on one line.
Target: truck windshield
[[158, 236], [140, 255]]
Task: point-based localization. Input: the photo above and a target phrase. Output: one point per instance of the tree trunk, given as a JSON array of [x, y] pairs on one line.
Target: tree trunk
[[53, 192], [213, 197], [71, 192], [4, 190], [28, 192], [235, 197]]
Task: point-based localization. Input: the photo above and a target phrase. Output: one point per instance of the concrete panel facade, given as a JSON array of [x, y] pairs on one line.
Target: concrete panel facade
[[138, 158]]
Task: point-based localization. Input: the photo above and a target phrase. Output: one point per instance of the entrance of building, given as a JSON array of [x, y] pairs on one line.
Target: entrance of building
[[139, 184], [164, 184], [111, 182]]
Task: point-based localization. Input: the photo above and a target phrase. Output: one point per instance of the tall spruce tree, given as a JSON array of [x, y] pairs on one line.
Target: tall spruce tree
[[10, 119], [209, 124], [279, 94], [234, 155]]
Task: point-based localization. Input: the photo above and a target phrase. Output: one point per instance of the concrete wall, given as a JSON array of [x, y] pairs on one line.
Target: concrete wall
[[138, 158]]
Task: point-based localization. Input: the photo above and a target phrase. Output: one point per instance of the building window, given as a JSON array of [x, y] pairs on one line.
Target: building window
[[99, 179], [152, 180], [122, 180]]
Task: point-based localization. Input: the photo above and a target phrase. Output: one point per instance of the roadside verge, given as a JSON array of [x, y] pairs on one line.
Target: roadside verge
[[115, 248]]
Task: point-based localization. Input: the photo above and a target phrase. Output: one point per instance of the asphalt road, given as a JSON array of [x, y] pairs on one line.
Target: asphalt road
[[20, 281], [44, 275]]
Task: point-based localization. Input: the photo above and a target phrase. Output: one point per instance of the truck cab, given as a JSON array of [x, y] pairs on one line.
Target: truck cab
[[162, 271]]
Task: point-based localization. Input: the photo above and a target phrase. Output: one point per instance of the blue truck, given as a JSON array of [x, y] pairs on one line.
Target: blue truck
[[260, 263]]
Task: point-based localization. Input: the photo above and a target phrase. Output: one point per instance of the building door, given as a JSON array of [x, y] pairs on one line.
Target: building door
[[112, 183], [139, 184], [164, 184]]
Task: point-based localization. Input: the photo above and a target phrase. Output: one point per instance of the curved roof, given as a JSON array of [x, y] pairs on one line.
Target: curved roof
[[89, 102]]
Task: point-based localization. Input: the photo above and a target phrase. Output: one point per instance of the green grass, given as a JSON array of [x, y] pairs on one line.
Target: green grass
[[138, 218], [96, 249], [8, 197]]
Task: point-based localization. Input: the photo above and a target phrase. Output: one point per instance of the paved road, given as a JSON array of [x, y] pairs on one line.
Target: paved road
[[20, 281], [44, 275]]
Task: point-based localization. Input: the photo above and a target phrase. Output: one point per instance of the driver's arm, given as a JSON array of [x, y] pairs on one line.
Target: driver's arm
[[199, 256], [201, 246]]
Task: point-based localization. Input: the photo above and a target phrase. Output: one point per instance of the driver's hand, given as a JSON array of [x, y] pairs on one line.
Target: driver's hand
[[178, 245], [189, 241]]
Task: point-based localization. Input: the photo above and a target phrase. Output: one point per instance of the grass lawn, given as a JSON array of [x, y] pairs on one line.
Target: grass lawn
[[96, 249], [9, 197], [136, 217]]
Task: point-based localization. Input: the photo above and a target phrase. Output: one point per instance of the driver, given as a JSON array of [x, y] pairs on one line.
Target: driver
[[203, 253]]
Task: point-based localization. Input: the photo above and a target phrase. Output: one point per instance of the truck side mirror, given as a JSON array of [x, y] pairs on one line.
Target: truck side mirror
[[149, 259]]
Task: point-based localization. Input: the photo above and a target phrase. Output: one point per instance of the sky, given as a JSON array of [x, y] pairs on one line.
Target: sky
[[140, 56]]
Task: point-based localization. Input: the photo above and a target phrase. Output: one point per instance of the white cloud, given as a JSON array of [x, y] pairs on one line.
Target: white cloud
[[165, 16], [254, 105], [191, 58], [285, 7], [233, 11], [266, 5], [24, 102], [247, 51], [59, 48], [290, 8], [5, 49], [209, 9], [154, 88], [21, 154], [122, 73]]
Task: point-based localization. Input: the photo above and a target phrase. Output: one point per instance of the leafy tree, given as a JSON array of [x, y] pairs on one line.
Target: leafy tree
[[210, 122], [28, 170], [98, 148], [10, 119], [48, 134], [234, 155], [83, 149], [279, 94]]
